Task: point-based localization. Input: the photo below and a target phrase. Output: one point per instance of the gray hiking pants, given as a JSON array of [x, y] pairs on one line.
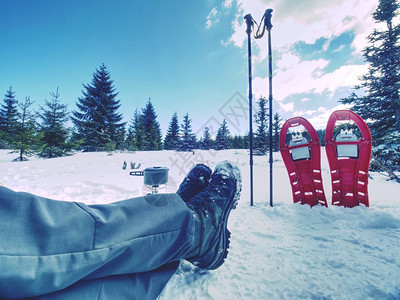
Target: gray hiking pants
[[67, 250]]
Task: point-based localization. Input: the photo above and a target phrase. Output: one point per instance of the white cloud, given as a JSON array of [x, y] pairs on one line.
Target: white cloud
[[239, 36], [294, 76], [304, 112], [212, 18], [227, 3], [260, 87], [338, 49], [345, 76], [286, 107], [320, 121], [306, 21], [327, 44]]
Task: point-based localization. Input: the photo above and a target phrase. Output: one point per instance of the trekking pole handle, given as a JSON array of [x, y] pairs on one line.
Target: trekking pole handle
[[249, 22], [267, 18]]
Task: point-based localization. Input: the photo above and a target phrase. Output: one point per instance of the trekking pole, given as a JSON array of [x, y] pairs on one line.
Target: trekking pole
[[250, 24], [268, 25]]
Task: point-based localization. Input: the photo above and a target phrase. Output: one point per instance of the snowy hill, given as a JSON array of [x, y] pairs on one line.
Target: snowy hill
[[288, 251]]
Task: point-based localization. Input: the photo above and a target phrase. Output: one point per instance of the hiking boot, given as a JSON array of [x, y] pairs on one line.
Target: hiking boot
[[195, 181], [211, 208]]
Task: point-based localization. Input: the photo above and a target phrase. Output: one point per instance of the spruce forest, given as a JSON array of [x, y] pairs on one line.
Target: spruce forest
[[97, 125]]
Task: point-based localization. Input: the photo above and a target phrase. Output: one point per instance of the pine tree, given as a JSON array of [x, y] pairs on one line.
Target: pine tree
[[238, 142], [8, 118], [276, 128], [135, 138], [171, 140], [2, 142], [386, 156], [188, 139], [152, 130], [206, 141], [261, 139], [321, 136], [130, 141], [246, 140], [222, 140], [55, 134], [380, 102], [97, 120], [241, 142], [26, 141]]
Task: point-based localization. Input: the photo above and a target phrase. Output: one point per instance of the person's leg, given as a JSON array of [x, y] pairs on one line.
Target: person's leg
[[140, 286], [47, 245]]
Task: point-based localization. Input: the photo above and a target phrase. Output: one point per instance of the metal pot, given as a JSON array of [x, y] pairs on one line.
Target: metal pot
[[155, 176]]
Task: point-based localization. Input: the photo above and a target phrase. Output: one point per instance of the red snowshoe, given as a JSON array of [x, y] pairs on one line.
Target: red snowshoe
[[348, 156], [301, 153]]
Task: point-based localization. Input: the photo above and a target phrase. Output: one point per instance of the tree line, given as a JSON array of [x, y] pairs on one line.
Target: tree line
[[98, 126]]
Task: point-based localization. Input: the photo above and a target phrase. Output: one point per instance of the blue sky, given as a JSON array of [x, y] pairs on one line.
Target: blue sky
[[188, 56]]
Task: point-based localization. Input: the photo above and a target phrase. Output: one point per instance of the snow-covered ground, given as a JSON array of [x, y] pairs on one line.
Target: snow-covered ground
[[288, 251]]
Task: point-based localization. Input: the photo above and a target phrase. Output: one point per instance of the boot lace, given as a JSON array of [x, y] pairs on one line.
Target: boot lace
[[208, 198]]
